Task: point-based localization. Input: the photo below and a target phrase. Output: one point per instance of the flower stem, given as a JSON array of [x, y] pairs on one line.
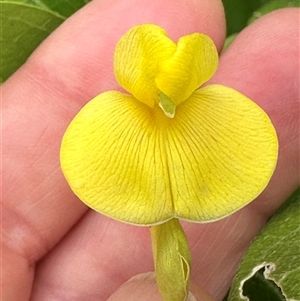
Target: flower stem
[[172, 260]]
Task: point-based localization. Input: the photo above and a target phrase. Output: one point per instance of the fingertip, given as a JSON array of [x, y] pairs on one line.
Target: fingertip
[[263, 63], [143, 287], [261, 43], [198, 294]]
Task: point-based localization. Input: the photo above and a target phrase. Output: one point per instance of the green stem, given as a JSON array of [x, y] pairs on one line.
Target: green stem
[[172, 260]]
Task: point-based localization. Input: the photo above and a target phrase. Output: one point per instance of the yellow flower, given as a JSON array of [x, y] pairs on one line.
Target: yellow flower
[[168, 149]]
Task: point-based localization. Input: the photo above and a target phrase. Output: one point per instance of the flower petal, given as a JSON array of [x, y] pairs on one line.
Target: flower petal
[[137, 56], [193, 63], [222, 150], [172, 260], [147, 63], [134, 164], [113, 157]]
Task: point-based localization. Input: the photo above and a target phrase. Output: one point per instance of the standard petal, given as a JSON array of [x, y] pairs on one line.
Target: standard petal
[[113, 157], [136, 61], [193, 63], [221, 150], [134, 164]]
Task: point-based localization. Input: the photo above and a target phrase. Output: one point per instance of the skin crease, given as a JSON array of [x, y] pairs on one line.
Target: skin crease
[[53, 247]]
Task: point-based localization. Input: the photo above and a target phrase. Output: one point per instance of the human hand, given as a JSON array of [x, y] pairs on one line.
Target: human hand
[[53, 247]]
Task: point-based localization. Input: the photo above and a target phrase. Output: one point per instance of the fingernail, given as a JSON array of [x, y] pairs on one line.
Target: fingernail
[[143, 277], [191, 297]]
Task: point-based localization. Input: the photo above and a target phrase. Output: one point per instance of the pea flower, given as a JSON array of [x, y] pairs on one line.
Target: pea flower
[[167, 149]]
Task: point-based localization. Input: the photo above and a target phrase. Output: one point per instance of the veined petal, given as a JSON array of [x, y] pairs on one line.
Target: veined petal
[[134, 164], [136, 61], [113, 157], [222, 150], [193, 63], [172, 260]]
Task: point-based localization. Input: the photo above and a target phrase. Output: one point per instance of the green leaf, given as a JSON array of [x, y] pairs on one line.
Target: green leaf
[[238, 12], [63, 7], [270, 269], [271, 6], [258, 287], [24, 27]]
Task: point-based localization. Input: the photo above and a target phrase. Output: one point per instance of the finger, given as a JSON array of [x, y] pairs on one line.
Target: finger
[[267, 70], [143, 287], [262, 63], [175, 30], [115, 254], [39, 100]]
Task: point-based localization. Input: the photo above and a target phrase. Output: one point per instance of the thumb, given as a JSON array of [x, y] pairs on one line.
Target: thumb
[[143, 287]]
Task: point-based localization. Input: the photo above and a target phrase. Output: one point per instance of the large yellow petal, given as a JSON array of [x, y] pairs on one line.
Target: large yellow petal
[[172, 260], [133, 163], [193, 63], [221, 150], [113, 157], [137, 56]]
